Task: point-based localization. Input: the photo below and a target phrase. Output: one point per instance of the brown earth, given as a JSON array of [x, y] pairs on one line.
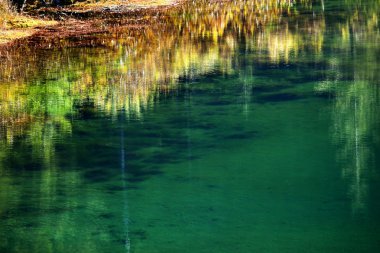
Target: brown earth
[[82, 22]]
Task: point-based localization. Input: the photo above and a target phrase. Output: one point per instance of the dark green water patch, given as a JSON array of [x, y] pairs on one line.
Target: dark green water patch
[[278, 97]]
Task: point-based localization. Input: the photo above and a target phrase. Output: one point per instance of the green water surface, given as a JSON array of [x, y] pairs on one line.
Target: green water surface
[[236, 132]]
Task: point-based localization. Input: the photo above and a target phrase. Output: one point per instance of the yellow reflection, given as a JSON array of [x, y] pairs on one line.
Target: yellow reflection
[[142, 63]]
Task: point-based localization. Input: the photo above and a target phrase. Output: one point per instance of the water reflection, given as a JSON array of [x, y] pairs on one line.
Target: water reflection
[[141, 64], [43, 92], [50, 97], [357, 96]]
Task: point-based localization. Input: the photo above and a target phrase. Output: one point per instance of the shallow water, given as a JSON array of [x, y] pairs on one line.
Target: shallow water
[[236, 132]]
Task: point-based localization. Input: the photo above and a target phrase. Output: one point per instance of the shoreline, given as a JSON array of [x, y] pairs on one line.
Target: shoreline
[[81, 19]]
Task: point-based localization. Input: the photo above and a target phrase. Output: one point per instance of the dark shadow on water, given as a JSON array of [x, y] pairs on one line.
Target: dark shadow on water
[[161, 159], [219, 103], [98, 175], [278, 97], [106, 216], [138, 175], [136, 179], [241, 136], [203, 125], [85, 108], [114, 188], [269, 88]]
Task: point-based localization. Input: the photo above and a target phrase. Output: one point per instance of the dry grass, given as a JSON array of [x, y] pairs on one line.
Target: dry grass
[[15, 26], [5, 12], [133, 3], [10, 35]]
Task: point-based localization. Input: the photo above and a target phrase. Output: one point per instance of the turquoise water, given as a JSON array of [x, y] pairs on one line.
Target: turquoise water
[[265, 139]]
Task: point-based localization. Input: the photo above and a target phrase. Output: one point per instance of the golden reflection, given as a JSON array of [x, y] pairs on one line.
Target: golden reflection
[[142, 63]]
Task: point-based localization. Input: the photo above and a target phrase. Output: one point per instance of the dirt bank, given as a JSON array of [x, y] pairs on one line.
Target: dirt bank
[[45, 26]]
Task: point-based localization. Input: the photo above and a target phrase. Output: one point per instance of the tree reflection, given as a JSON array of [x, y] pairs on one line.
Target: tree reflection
[[138, 64], [357, 95]]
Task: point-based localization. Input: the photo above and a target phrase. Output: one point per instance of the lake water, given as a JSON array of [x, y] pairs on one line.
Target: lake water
[[233, 127]]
